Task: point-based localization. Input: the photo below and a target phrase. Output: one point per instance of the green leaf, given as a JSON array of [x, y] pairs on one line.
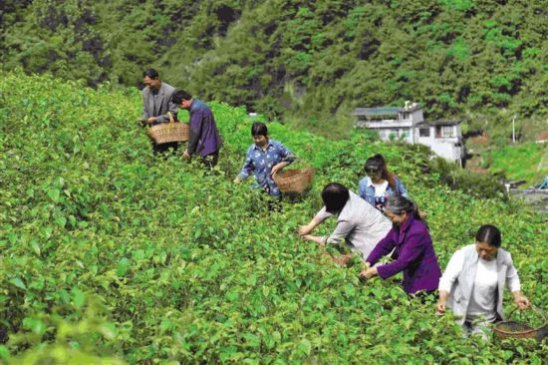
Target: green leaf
[[78, 298], [35, 247], [18, 283], [61, 221], [123, 267], [304, 346], [54, 195], [4, 353]]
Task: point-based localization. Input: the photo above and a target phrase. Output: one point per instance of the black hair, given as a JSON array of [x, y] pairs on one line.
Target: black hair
[[335, 196], [180, 95], [378, 163], [490, 235], [259, 129], [151, 73]]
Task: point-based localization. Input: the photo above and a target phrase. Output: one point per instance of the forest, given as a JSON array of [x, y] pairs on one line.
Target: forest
[[481, 61]]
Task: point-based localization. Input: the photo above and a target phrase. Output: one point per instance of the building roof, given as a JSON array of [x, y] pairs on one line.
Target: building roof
[[383, 110], [441, 122]]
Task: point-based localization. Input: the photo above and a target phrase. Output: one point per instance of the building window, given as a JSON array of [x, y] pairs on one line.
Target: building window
[[424, 132], [448, 132]]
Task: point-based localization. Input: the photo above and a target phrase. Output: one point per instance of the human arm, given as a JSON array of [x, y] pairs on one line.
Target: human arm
[[412, 249], [362, 188], [441, 306], [382, 248], [171, 108], [317, 220], [369, 271], [308, 228], [514, 285], [278, 167], [286, 156], [342, 230], [247, 169], [319, 240], [521, 300], [145, 115], [452, 271]]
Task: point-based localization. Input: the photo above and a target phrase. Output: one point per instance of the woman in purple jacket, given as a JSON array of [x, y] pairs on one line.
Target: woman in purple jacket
[[413, 250]]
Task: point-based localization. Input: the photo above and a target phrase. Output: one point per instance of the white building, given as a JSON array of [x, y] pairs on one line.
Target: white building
[[407, 124]]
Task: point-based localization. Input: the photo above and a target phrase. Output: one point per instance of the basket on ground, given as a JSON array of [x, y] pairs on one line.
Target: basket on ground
[[294, 181], [513, 329], [169, 132]]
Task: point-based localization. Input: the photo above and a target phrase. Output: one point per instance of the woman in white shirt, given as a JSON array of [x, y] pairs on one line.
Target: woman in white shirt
[[473, 282]]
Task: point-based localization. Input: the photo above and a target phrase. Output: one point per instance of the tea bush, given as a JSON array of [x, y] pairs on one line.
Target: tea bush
[[110, 255]]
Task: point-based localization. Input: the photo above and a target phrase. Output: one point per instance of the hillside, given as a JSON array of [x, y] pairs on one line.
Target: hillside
[[109, 255], [482, 61]]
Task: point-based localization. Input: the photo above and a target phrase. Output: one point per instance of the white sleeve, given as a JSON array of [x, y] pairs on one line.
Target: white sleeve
[[452, 271], [322, 215], [342, 230], [512, 277]]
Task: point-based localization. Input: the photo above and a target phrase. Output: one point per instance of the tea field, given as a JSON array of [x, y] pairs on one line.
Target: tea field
[[109, 255]]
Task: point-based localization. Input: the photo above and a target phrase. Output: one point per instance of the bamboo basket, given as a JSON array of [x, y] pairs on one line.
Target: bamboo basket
[[514, 329], [169, 132], [294, 181]]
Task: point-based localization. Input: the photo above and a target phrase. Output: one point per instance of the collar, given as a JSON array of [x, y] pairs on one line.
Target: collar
[[372, 184], [268, 145], [405, 226]]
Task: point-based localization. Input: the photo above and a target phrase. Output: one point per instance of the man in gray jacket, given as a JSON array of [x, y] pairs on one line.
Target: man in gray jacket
[[157, 103]]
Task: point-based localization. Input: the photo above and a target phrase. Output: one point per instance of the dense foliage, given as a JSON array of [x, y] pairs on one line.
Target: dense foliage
[[473, 59], [110, 255]]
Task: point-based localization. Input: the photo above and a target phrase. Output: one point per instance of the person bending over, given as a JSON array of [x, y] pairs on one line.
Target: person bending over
[[358, 223]]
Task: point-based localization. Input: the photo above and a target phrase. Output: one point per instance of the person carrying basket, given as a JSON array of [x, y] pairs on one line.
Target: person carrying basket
[[474, 280], [157, 105], [265, 158]]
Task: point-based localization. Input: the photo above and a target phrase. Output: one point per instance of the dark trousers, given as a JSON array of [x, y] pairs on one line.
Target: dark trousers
[[164, 147], [211, 160]]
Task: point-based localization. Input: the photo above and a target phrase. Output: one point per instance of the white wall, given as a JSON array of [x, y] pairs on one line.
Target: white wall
[[443, 147]]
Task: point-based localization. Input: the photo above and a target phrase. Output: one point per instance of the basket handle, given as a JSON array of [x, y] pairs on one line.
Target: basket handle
[[533, 307], [170, 115]]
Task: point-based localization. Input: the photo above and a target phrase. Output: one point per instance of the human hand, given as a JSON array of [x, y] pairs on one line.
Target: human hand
[[277, 168], [304, 230], [522, 302], [186, 155], [368, 273], [441, 306], [152, 120], [318, 240]]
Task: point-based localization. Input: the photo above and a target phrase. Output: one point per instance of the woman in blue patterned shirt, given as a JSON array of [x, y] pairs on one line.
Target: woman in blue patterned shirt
[[265, 157]]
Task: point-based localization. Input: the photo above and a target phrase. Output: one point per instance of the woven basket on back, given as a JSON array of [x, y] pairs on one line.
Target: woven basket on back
[[169, 132], [294, 181], [513, 329]]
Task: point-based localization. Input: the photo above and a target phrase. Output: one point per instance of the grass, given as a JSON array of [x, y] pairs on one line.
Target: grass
[[526, 161]]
